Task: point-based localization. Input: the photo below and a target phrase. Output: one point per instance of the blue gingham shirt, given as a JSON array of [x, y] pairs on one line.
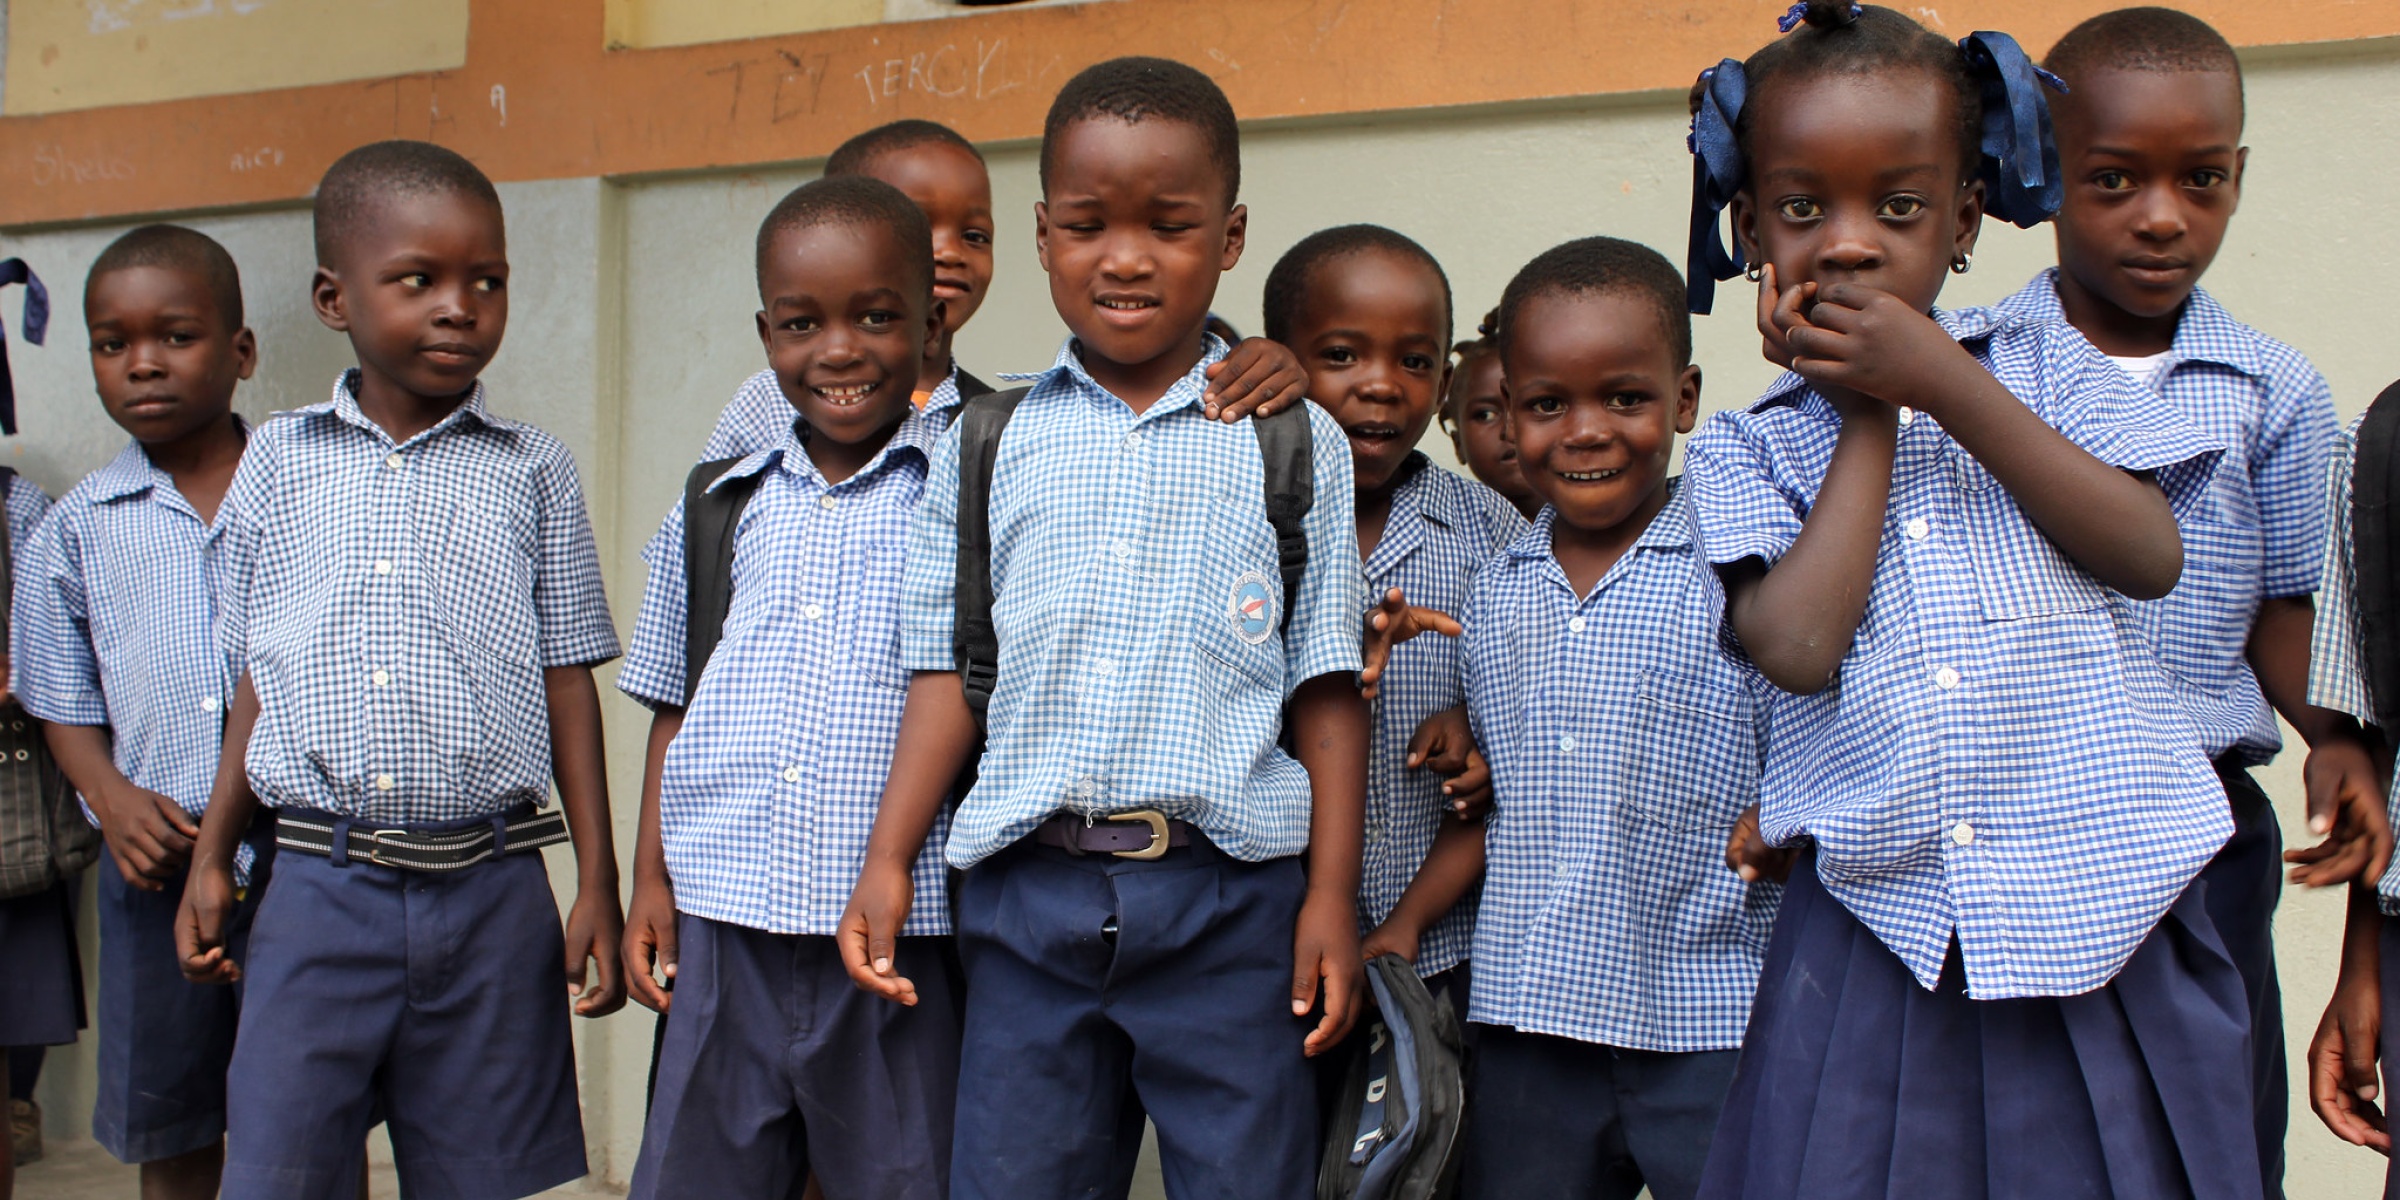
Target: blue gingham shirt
[[770, 789], [2337, 668], [116, 626], [2000, 756], [1624, 745], [2256, 532], [1441, 530], [759, 415], [396, 605], [26, 504], [1144, 662]]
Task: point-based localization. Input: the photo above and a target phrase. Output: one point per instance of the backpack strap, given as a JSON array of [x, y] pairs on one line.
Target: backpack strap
[[1285, 449], [974, 639], [709, 519], [2374, 487], [970, 387]]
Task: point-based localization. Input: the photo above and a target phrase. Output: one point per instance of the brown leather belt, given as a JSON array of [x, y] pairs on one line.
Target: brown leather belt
[[1143, 833]]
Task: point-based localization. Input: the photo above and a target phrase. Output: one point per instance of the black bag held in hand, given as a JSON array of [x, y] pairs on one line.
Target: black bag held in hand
[[43, 834], [2374, 488], [1394, 1135]]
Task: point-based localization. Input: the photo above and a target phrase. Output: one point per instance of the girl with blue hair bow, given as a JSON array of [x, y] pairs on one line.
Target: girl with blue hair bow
[[1991, 974]]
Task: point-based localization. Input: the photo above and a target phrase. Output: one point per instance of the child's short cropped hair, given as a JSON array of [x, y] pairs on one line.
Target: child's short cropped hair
[[2143, 39], [859, 202], [853, 157], [1138, 89], [1287, 282], [1601, 264], [373, 174], [175, 248]]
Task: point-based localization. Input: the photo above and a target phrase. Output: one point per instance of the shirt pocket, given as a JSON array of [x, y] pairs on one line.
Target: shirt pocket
[[2019, 572], [1238, 602], [1694, 764], [481, 567], [874, 629]]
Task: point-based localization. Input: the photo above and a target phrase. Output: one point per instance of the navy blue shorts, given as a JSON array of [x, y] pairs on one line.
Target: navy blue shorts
[[1184, 1014], [165, 1042], [1552, 1116], [1855, 1081], [2245, 882], [2389, 943], [776, 1065], [41, 991], [436, 1001]]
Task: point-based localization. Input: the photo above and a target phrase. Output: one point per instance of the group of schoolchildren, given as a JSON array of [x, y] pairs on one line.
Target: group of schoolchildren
[[1865, 812]]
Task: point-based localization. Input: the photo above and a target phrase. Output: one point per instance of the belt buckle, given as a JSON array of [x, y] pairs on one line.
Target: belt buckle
[[375, 847], [1157, 821]]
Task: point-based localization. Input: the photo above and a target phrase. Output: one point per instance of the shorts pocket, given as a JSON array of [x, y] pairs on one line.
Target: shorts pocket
[[1695, 760], [2019, 571]]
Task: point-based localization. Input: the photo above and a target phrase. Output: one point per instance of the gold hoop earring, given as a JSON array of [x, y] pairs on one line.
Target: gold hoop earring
[[1962, 263]]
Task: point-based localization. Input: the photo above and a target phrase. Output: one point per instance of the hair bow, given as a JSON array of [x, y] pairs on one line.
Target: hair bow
[[36, 326], [1716, 176], [2019, 164]]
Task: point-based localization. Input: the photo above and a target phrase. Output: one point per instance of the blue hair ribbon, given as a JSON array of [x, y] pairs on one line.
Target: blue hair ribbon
[[1716, 176], [2022, 181], [36, 326], [1797, 13]]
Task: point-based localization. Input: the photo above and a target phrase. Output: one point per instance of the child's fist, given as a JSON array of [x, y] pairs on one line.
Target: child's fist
[[1748, 853]]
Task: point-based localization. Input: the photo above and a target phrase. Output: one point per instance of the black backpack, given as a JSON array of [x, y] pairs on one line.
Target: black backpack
[[1395, 1132], [2374, 487], [44, 837]]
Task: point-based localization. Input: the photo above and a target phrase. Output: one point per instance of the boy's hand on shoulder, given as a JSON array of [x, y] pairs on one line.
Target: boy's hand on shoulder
[[1257, 378], [149, 835], [208, 899], [1750, 855], [1325, 955], [870, 929], [1444, 744], [1393, 621], [595, 934], [650, 944], [2346, 805], [2341, 1064]]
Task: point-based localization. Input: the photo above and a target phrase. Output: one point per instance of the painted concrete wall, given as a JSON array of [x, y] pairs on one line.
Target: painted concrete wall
[[633, 306]]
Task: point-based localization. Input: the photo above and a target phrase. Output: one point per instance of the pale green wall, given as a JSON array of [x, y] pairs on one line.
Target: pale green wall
[[633, 302]]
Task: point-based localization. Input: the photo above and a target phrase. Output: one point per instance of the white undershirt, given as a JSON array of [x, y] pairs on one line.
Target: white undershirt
[[2145, 370]]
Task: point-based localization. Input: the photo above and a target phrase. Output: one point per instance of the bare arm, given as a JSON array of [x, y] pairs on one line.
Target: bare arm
[[937, 736], [1330, 732], [148, 835], [1450, 869], [650, 919], [595, 924], [208, 893]]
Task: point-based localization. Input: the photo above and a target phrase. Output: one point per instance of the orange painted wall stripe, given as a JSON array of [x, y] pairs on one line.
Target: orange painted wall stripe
[[540, 97]]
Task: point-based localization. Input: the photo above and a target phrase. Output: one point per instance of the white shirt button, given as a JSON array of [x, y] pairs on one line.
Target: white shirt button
[[812, 611], [381, 677], [393, 460], [1945, 679], [385, 783], [1566, 743], [1908, 416], [1123, 549], [383, 566], [826, 500], [1133, 442], [1575, 625], [791, 774], [1962, 833], [1089, 787], [1918, 527], [1105, 666], [208, 704]]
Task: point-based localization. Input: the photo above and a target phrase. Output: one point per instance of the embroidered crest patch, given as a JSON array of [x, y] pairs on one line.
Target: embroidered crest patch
[[1253, 608]]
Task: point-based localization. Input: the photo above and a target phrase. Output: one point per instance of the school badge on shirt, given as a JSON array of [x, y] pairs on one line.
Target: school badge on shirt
[[1253, 609]]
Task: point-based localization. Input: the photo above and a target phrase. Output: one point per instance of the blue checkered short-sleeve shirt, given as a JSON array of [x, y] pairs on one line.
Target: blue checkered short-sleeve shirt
[[396, 605], [1442, 529], [2000, 756], [1624, 745], [1144, 658], [2258, 529], [2337, 669], [770, 789]]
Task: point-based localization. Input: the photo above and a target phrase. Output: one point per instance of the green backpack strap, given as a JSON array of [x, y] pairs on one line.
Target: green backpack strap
[[709, 519], [974, 639], [2374, 488], [1287, 453]]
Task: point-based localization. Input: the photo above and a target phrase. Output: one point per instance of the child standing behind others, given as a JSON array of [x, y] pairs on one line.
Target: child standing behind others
[[1474, 417], [758, 796], [1991, 974], [411, 591], [1368, 312], [117, 655]]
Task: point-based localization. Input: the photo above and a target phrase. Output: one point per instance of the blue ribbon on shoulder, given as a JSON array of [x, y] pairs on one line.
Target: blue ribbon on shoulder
[[1716, 176], [36, 327], [2019, 166]]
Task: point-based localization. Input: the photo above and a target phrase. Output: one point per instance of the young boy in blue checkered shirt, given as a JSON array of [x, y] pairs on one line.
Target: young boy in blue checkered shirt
[[117, 655], [2149, 135], [758, 796], [1368, 312], [1140, 933], [412, 594]]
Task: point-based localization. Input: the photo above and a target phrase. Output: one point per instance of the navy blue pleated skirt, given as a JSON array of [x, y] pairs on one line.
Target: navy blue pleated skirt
[[41, 975], [1856, 1082]]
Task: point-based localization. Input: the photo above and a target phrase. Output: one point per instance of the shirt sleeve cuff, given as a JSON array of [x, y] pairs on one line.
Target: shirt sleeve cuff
[[589, 647], [924, 649]]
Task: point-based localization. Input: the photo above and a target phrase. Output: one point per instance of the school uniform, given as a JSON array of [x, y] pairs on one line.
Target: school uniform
[[1145, 661], [395, 607], [1992, 974], [41, 991], [116, 628], [1441, 530], [775, 1065], [2255, 533], [1615, 954], [760, 414]]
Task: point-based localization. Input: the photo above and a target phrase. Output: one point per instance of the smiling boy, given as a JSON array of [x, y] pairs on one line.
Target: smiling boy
[[1139, 931]]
